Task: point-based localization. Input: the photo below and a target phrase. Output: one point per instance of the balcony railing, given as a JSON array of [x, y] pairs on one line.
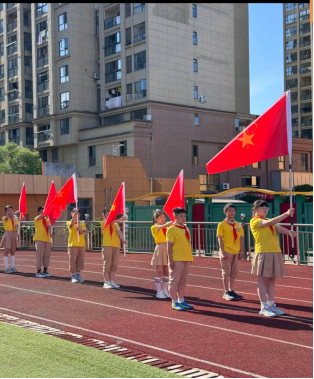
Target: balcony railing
[[307, 123], [43, 111], [306, 43], [113, 77], [12, 72], [12, 49], [306, 97], [43, 136], [306, 109], [305, 57], [140, 95], [139, 66], [12, 119], [29, 116], [13, 96], [11, 26], [305, 17], [43, 86], [305, 84], [10, 5], [41, 11], [42, 61], [112, 49], [305, 70], [111, 22], [1, 75], [139, 37]]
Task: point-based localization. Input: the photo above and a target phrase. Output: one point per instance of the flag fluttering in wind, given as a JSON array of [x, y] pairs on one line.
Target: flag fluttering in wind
[[118, 206], [51, 195], [67, 195], [176, 197], [22, 203], [269, 136]]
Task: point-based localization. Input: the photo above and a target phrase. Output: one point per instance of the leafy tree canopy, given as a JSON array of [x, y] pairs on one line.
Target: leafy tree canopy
[[19, 160], [303, 188]]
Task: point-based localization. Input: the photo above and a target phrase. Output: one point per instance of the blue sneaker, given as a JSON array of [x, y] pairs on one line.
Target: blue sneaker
[[177, 307], [186, 305], [79, 278]]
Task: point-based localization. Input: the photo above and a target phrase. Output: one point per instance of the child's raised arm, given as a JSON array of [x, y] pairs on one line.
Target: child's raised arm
[[277, 219], [164, 225]]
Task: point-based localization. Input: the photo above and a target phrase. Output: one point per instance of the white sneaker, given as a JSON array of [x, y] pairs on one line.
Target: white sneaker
[[107, 285], [74, 280], [13, 269], [161, 295], [266, 311], [114, 285], [7, 270], [276, 310], [166, 293], [40, 275]]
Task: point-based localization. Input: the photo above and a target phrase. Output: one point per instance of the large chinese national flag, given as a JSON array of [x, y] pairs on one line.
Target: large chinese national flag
[[67, 195], [118, 206], [176, 197], [51, 195], [269, 136], [22, 203]]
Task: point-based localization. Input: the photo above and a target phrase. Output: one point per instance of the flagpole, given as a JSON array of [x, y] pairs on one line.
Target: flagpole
[[75, 194], [124, 249]]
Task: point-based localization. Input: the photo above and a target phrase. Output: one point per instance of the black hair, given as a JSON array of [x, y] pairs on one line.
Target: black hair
[[156, 214], [40, 208], [229, 205], [105, 211], [7, 207], [75, 209], [178, 210], [259, 203]]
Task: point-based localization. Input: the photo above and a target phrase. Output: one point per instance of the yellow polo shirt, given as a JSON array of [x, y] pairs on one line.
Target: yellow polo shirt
[[159, 236], [225, 230], [181, 247], [7, 224], [73, 235], [107, 239], [265, 240], [40, 231]]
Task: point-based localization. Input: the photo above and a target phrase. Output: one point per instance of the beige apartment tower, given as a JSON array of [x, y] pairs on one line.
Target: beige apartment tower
[[298, 33], [165, 82]]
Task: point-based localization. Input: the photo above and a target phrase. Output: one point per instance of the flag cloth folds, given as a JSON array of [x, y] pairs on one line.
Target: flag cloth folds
[[269, 136], [118, 206], [176, 197], [67, 195], [51, 195], [22, 203]]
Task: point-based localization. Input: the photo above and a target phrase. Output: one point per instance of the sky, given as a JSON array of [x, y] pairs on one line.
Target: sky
[[266, 56]]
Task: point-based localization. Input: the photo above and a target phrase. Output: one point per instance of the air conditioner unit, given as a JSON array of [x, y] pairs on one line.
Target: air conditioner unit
[[129, 97], [96, 76], [147, 117], [225, 186]]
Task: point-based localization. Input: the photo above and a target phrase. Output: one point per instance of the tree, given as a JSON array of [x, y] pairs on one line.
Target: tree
[[303, 188], [19, 160]]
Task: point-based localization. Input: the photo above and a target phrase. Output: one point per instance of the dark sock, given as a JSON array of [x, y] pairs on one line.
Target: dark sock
[[38, 271], [45, 269]]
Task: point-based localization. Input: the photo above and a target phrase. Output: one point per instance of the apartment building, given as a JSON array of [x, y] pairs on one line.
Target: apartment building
[[298, 34]]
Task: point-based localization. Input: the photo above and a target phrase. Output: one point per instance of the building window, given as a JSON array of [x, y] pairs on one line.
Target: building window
[[55, 155], [124, 148], [195, 65], [43, 81], [115, 119], [307, 133], [1, 71], [195, 92], [290, 6], [306, 107], [27, 41], [194, 38], [140, 61], [129, 92], [29, 89], [304, 162], [305, 15], [305, 54], [138, 8], [291, 31], [196, 119], [64, 74], [14, 136], [291, 57], [127, 10], [92, 155], [1, 7], [85, 206], [194, 155], [42, 56], [306, 121], [291, 83], [13, 93], [140, 89], [26, 18], [29, 111], [12, 45], [43, 133], [113, 71], [43, 155], [41, 9], [28, 65], [2, 139], [112, 44], [303, 5], [281, 163], [1, 26], [305, 28], [29, 136], [42, 31], [43, 106], [1, 94], [128, 37], [99, 176], [292, 70], [14, 114], [138, 114], [129, 64], [63, 21], [294, 96], [139, 32], [291, 18], [1, 49], [96, 22], [98, 99], [63, 47], [294, 109], [194, 7], [2, 116], [251, 181], [295, 122], [64, 126], [291, 44], [256, 165], [64, 100], [305, 41], [12, 67]]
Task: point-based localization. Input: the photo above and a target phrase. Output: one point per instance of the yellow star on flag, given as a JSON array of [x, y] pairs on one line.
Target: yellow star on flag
[[113, 208], [60, 194], [246, 139]]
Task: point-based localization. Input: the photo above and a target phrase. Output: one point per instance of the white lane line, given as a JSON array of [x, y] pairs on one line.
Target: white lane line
[[135, 343], [201, 276], [188, 285], [158, 316]]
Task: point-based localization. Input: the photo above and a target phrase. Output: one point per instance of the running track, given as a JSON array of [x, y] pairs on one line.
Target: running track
[[229, 338]]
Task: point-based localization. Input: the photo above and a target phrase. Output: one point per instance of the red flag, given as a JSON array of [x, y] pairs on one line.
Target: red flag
[[267, 137], [176, 197], [118, 206], [22, 203], [51, 195], [67, 195]]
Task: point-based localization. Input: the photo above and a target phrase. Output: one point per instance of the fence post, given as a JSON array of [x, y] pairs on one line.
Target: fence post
[[199, 239]]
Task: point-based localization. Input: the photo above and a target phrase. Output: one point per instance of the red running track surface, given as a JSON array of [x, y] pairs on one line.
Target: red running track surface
[[230, 338]]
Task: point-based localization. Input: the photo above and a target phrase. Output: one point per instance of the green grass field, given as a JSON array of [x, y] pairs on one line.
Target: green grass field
[[28, 354]]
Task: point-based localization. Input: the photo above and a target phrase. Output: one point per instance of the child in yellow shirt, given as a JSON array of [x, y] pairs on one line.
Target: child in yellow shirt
[[268, 262], [111, 237], [231, 240], [76, 246], [10, 238], [43, 243], [180, 258], [160, 257]]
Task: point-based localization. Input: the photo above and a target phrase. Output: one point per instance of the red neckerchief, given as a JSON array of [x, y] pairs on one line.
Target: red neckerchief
[[271, 227], [12, 222], [45, 224], [187, 234], [111, 230], [235, 235], [164, 231]]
